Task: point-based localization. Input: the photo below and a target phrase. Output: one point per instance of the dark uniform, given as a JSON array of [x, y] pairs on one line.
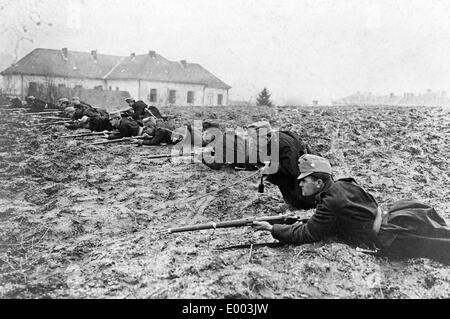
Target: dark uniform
[[37, 105], [16, 103], [347, 211], [237, 151], [161, 133], [290, 148], [100, 121], [98, 118], [230, 149], [141, 110], [126, 128]]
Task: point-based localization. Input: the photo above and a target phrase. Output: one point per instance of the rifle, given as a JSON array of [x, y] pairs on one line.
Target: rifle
[[52, 123], [13, 109], [280, 219], [180, 154], [123, 139], [46, 112], [86, 134], [50, 118], [256, 245]]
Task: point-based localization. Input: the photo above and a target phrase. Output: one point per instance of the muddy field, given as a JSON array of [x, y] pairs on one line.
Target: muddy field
[[84, 221]]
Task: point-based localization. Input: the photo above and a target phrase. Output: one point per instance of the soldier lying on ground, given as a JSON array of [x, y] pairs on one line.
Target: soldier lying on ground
[[189, 135], [125, 127], [89, 117], [15, 103], [346, 211], [142, 110], [252, 148], [63, 103], [161, 131], [37, 105], [156, 132], [290, 148]]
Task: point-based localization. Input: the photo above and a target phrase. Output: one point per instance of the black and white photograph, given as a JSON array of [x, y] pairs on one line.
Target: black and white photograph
[[241, 151]]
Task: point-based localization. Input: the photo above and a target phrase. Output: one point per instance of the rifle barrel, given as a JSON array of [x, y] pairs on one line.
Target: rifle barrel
[[118, 140], [46, 112], [178, 155], [255, 245], [86, 134], [51, 118], [51, 123], [13, 109], [233, 223]]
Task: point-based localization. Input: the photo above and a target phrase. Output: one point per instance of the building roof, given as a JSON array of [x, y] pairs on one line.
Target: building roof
[[52, 63], [151, 67]]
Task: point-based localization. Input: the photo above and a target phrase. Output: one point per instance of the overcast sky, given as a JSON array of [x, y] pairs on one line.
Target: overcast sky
[[300, 49]]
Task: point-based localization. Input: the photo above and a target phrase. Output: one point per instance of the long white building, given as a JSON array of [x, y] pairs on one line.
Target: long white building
[[148, 77]]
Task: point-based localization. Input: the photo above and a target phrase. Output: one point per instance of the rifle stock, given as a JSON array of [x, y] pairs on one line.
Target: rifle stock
[[280, 219]]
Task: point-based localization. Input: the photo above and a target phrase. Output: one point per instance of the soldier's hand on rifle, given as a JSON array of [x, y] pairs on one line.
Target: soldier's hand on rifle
[[264, 226], [137, 142], [266, 170], [84, 119]]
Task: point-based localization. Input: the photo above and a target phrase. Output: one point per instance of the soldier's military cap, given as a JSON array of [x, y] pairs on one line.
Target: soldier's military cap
[[309, 164]]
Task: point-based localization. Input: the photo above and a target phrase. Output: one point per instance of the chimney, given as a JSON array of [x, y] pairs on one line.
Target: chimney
[[391, 95], [315, 102], [183, 62], [94, 55], [133, 56], [152, 54], [65, 53]]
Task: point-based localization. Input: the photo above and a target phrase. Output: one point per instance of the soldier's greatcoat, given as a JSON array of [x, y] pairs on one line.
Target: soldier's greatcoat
[[346, 210]]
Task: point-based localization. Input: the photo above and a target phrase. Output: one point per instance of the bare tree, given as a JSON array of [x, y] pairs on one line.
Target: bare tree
[[21, 20]]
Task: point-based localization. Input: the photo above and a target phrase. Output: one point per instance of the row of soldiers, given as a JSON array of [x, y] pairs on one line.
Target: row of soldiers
[[33, 104], [343, 209], [146, 122], [139, 120]]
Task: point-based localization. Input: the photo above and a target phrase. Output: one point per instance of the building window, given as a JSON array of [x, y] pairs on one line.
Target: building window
[[172, 96], [61, 85], [153, 95], [32, 88], [79, 86], [190, 96], [219, 99], [209, 100], [110, 88]]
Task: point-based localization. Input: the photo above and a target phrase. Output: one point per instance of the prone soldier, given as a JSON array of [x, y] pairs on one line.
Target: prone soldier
[[37, 105], [343, 209], [125, 127], [142, 110], [89, 117]]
